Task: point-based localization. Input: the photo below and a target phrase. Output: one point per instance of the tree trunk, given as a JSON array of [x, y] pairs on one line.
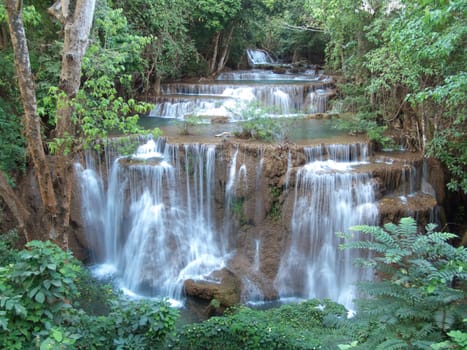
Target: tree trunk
[[157, 86], [3, 37], [212, 65], [225, 51], [55, 195], [77, 30], [31, 120], [10, 198]]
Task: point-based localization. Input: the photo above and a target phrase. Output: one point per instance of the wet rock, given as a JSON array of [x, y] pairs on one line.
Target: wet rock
[[225, 287]]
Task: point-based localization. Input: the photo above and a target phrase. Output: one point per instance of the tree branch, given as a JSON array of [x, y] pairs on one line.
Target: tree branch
[[60, 10], [301, 28]]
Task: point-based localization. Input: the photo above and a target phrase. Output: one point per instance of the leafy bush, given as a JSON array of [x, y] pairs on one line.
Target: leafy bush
[[36, 294], [415, 301], [189, 123], [142, 324], [8, 249], [257, 124], [309, 325], [42, 290]]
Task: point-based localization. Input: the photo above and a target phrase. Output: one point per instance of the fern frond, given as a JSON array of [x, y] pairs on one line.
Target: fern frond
[[392, 344], [385, 238], [370, 245], [440, 237], [420, 245], [430, 228], [407, 227], [391, 228], [407, 231], [395, 255], [369, 230]]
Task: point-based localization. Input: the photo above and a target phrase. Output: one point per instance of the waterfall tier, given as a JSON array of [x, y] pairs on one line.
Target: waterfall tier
[[268, 214], [231, 94]]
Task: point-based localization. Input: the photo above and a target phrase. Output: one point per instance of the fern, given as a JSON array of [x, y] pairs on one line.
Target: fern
[[413, 303], [392, 344]]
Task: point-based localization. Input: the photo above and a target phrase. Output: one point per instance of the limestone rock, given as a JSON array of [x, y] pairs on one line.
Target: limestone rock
[[226, 291]]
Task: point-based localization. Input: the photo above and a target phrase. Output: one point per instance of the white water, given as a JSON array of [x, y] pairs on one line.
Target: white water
[[158, 227], [282, 94], [152, 223], [329, 198], [257, 57]]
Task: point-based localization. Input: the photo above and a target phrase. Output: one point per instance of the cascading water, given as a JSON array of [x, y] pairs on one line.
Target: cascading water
[[169, 213], [283, 95], [257, 57], [159, 227], [329, 198]]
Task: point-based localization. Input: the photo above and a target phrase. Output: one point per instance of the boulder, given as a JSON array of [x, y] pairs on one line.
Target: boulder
[[224, 286]]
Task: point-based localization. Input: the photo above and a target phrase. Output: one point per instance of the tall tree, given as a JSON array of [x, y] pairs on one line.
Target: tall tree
[[218, 21], [54, 186], [31, 120]]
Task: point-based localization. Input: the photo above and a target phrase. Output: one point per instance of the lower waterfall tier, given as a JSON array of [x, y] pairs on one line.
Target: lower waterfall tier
[[248, 221]]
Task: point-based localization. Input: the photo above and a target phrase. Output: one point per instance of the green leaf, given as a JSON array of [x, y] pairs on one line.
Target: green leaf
[[40, 297], [57, 335]]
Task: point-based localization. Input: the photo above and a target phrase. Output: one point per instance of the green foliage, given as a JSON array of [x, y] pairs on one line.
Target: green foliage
[[36, 291], [257, 123], [457, 340], [189, 123], [100, 106], [407, 62], [414, 302], [170, 47], [216, 14], [129, 325], [8, 249], [12, 144], [237, 207], [48, 301], [287, 29], [312, 324], [275, 211]]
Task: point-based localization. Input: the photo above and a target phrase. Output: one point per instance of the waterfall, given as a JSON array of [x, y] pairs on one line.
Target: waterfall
[[228, 198], [159, 220], [259, 201], [256, 57], [92, 196], [282, 94], [329, 198], [169, 213], [256, 261], [318, 101]]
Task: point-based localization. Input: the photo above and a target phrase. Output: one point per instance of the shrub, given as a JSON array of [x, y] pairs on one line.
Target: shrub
[[36, 292], [415, 301], [42, 290], [309, 325], [142, 324]]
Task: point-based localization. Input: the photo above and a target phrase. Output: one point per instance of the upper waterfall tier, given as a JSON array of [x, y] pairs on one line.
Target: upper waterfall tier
[[233, 92], [258, 57]]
